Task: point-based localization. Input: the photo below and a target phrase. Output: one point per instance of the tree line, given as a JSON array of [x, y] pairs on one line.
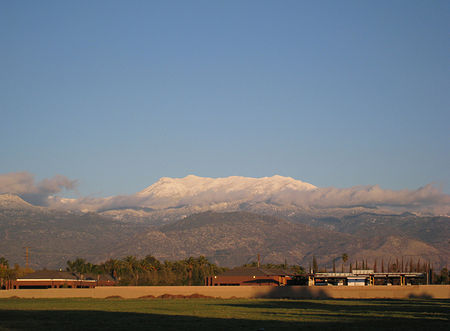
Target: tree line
[[193, 270], [149, 270]]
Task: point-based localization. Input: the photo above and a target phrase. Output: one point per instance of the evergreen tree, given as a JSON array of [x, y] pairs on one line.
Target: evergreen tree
[[315, 266]]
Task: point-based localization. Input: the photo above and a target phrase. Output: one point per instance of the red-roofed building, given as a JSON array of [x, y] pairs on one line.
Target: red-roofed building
[[250, 277], [61, 279]]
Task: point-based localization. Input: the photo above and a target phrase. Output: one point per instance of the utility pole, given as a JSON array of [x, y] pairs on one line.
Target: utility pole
[[26, 256]]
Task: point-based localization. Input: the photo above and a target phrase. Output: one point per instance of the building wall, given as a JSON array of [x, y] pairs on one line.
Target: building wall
[[23, 284], [226, 292]]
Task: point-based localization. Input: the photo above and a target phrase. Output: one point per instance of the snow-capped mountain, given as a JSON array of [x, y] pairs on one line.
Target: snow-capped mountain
[[193, 185], [201, 190], [194, 192], [174, 197]]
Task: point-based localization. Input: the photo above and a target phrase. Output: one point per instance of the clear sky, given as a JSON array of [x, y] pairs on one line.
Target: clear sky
[[117, 94]]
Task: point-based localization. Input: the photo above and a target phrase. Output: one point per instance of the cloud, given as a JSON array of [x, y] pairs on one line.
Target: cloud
[[24, 185], [428, 198], [97, 204]]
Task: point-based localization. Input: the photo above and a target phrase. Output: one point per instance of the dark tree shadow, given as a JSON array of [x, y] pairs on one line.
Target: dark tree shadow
[[420, 296], [295, 292], [99, 320], [353, 305]]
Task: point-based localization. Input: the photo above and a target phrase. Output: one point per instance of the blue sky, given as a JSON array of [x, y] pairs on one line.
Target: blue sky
[[117, 94]]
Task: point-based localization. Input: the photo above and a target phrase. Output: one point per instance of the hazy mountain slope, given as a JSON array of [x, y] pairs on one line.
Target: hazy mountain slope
[[236, 238], [392, 247], [14, 202], [53, 236], [429, 229], [229, 239]]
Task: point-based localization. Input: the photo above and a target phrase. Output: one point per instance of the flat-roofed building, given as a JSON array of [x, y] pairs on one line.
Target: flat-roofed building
[[59, 279]]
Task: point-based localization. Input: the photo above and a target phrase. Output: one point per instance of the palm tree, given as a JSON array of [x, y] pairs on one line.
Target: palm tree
[[113, 268], [79, 265], [344, 259], [4, 271], [205, 268], [133, 266], [150, 263], [190, 262], [4, 263]]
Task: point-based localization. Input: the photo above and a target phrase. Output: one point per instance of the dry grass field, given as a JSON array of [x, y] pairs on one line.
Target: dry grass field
[[220, 314]]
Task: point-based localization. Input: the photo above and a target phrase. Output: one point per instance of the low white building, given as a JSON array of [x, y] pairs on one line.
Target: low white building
[[365, 278]]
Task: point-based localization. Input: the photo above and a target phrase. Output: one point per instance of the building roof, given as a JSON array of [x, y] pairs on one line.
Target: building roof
[[100, 277], [254, 271], [50, 274], [65, 275], [368, 273]]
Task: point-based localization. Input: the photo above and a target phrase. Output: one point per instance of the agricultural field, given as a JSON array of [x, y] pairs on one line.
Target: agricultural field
[[222, 314]]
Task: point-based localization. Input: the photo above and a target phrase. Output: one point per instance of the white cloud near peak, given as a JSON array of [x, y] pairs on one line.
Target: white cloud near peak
[[24, 184]]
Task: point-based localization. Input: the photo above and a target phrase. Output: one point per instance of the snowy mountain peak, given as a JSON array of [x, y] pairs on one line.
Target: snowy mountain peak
[[191, 186]]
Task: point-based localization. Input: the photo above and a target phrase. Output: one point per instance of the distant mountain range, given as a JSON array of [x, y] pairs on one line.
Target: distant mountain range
[[172, 198], [276, 232]]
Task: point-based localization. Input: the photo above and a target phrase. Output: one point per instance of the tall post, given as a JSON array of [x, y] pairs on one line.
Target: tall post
[[26, 257]]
